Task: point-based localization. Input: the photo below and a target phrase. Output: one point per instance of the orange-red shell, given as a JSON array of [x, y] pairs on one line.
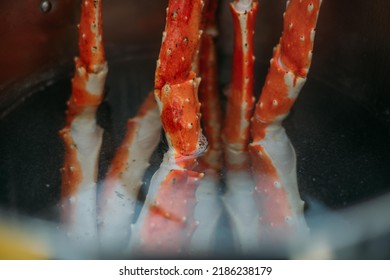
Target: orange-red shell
[[180, 42]]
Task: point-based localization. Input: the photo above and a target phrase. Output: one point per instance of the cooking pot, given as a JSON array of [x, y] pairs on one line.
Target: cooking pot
[[340, 125]]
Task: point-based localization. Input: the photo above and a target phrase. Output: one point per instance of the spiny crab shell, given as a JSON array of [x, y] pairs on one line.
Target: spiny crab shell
[[182, 208]]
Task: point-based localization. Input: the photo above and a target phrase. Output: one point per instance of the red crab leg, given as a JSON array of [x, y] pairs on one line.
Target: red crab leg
[[118, 198], [208, 208], [81, 135], [239, 109], [166, 222], [239, 195], [208, 91], [273, 156]]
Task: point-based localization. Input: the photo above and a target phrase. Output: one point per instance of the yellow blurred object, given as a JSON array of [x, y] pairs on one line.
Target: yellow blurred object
[[16, 244]]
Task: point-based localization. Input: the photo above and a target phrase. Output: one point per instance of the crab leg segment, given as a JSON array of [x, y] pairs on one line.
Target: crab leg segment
[[238, 199], [273, 156], [208, 91], [236, 132], [124, 178], [166, 223], [208, 208], [81, 135]]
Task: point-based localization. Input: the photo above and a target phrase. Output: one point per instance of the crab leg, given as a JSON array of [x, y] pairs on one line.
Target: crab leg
[[118, 198], [211, 161], [239, 194], [81, 135], [208, 208], [273, 156], [166, 222], [236, 133]]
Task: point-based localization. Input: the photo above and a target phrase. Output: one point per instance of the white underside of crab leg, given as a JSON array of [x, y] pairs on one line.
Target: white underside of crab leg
[[238, 200], [239, 203], [207, 212], [81, 206], [119, 195], [136, 240], [242, 210], [279, 149]]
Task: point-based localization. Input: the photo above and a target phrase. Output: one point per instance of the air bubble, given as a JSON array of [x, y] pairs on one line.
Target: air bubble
[[202, 144], [46, 6]]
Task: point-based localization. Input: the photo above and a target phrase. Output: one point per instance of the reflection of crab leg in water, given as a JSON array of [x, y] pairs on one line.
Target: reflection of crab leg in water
[[273, 156], [81, 135], [117, 200], [238, 198], [208, 208], [166, 222]]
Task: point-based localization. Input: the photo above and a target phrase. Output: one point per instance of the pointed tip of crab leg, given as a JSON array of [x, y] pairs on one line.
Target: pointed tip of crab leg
[[236, 133], [90, 35], [180, 42]]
